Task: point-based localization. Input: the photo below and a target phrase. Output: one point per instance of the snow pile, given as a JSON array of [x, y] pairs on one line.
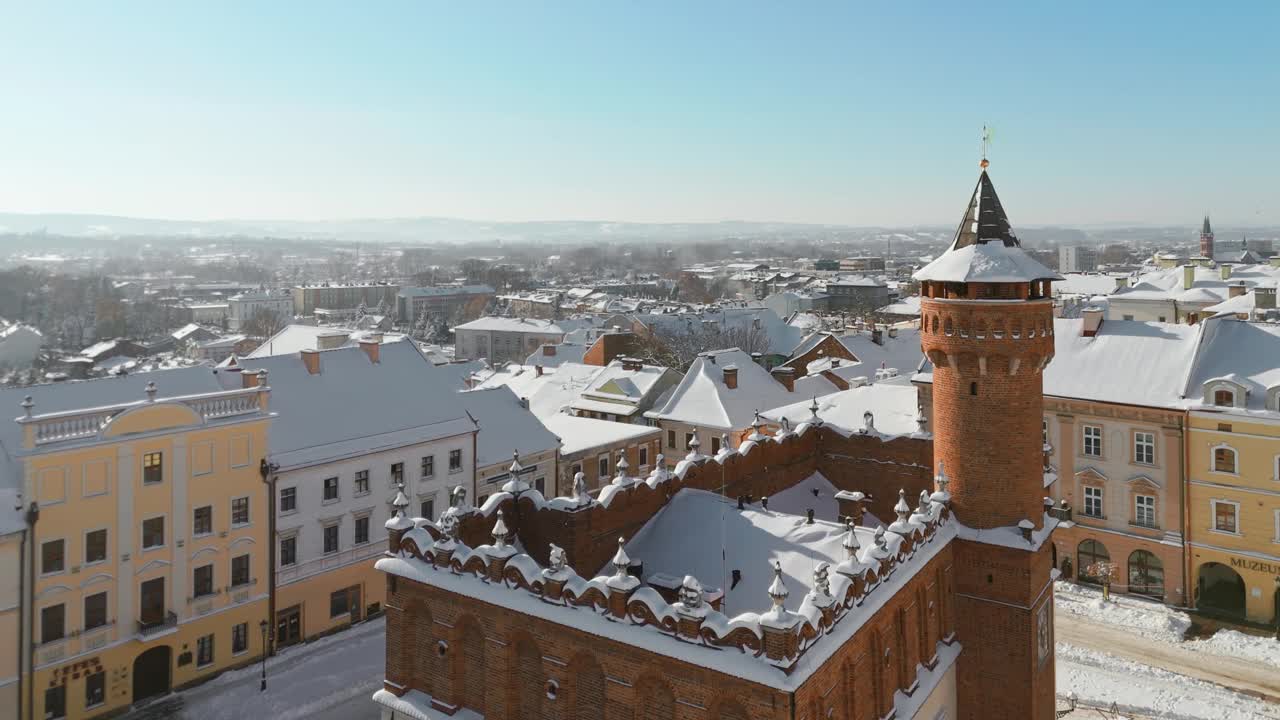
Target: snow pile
[[1233, 643], [1097, 678], [1143, 617]]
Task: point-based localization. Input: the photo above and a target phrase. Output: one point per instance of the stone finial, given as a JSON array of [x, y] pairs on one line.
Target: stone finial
[[778, 591], [691, 592], [27, 406], [850, 542], [813, 409], [940, 481], [724, 442], [881, 542], [693, 448], [580, 493], [398, 523], [516, 467], [923, 507], [659, 473], [622, 465], [557, 559], [757, 423], [621, 561], [500, 532], [922, 422], [786, 425], [822, 580], [458, 497], [902, 509], [869, 422], [262, 377], [400, 502], [151, 391]]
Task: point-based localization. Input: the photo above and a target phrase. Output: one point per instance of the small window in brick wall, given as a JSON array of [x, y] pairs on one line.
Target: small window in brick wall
[[973, 388]]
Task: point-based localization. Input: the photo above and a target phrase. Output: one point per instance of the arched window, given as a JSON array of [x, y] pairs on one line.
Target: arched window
[[653, 700], [973, 388], [1146, 574], [1224, 398], [470, 675], [1090, 558], [946, 327], [1224, 460], [529, 679], [588, 687]]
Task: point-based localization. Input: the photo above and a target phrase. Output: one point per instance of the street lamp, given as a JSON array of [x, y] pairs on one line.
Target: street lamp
[[262, 624], [1276, 603]]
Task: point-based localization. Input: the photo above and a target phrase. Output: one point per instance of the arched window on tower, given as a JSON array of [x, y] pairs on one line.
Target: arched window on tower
[[973, 388]]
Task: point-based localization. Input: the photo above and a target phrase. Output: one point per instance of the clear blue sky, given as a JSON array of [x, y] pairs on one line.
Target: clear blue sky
[[847, 112]]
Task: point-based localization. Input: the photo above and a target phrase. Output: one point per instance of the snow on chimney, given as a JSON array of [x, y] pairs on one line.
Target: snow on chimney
[[1235, 289], [731, 377], [370, 348], [1264, 298], [1092, 321], [311, 359], [1188, 276], [877, 335], [786, 376], [537, 369], [1225, 270]]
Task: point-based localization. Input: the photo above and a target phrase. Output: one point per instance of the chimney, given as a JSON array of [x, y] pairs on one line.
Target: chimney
[[311, 359], [1264, 298], [1225, 270], [786, 376], [1092, 321], [249, 380], [1122, 282], [893, 332], [1188, 276], [835, 362], [370, 348], [331, 340], [877, 335], [548, 350], [731, 377], [758, 358], [537, 369], [1235, 289]]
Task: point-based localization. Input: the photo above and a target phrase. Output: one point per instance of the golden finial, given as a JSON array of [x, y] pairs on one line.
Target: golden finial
[[986, 144]]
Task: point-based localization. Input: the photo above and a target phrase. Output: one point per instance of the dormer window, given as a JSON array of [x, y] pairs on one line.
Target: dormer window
[[1273, 398], [1224, 398], [1224, 392]]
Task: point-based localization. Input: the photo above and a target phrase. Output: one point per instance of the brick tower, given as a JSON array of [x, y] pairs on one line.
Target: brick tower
[[1206, 239], [987, 328]]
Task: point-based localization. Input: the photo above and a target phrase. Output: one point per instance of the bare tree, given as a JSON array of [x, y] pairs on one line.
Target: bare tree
[[676, 346], [263, 323]]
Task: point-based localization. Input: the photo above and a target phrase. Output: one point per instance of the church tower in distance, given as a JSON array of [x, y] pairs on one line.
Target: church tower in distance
[[987, 328]]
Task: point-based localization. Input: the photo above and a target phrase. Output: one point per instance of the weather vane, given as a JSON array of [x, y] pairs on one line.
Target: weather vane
[[987, 134]]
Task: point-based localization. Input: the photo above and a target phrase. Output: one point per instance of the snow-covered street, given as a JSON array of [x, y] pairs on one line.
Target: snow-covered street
[[1127, 651]]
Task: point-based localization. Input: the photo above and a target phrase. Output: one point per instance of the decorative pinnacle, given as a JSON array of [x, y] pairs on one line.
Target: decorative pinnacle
[[151, 391], [850, 541], [724, 441], [786, 425], [869, 421], [880, 541], [27, 404], [622, 464], [757, 424], [621, 562], [515, 462], [500, 532], [902, 508], [778, 591], [924, 503], [941, 478]]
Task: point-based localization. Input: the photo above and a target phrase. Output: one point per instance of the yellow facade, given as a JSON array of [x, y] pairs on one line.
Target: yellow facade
[[311, 599], [1233, 514], [139, 477]]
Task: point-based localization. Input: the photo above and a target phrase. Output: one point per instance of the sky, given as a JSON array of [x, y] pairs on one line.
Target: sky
[[844, 112]]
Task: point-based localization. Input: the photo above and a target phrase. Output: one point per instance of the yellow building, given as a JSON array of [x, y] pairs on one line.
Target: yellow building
[[1233, 472], [147, 565]]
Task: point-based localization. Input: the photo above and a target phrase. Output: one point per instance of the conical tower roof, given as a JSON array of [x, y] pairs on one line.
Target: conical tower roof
[[985, 248], [1205, 229]]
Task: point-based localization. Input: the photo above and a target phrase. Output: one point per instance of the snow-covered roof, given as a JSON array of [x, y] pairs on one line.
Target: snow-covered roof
[[909, 306], [549, 393], [184, 331], [1128, 361], [443, 291], [702, 398], [578, 433], [894, 406], [508, 324], [1243, 303], [505, 426], [1249, 352], [225, 341], [902, 350], [564, 352], [292, 339], [99, 348], [1086, 284], [616, 382]]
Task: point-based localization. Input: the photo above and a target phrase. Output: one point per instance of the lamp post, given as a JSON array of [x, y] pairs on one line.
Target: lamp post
[[262, 624], [1276, 603]]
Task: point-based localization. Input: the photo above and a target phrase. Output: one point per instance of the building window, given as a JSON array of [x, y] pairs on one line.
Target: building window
[[55, 702], [1044, 432], [428, 466], [1224, 398], [288, 500], [95, 689], [53, 623], [540, 485], [288, 551], [1091, 556], [1146, 574], [338, 603], [202, 520], [1144, 510], [203, 584], [1093, 441], [95, 546], [1224, 460], [688, 441], [428, 508], [397, 473], [715, 446], [239, 511], [644, 456], [330, 489], [603, 466], [95, 610], [1127, 317], [362, 530], [1224, 516], [671, 438], [1093, 501], [204, 650], [362, 482], [240, 570], [330, 539], [239, 638], [152, 533], [455, 460], [152, 468], [1144, 448], [53, 557]]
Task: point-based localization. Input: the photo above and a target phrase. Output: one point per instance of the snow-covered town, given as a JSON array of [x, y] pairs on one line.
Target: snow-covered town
[[328, 399]]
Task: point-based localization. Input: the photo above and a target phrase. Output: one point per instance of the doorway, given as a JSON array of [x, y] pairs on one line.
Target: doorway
[[151, 673], [152, 603], [289, 625], [1221, 590]]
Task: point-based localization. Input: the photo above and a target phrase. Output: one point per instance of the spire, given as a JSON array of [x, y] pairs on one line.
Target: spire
[[1206, 229], [984, 219]]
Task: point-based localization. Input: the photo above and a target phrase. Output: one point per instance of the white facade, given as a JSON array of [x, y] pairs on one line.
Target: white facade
[[241, 308], [19, 345], [312, 513]]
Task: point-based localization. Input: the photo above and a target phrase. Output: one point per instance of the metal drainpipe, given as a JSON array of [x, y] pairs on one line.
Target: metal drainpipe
[[268, 470], [33, 515], [1188, 581], [22, 611]]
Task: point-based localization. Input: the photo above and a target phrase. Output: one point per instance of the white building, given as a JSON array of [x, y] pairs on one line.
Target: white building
[[500, 339], [241, 308], [19, 345]]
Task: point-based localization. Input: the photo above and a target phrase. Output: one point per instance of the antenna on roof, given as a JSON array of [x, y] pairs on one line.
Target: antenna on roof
[[987, 134]]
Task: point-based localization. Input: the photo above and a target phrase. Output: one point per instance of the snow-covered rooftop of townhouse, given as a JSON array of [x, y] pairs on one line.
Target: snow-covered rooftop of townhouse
[[292, 339], [510, 324], [702, 398], [182, 332], [565, 352], [98, 348], [445, 290], [354, 406], [815, 385], [1243, 303], [579, 433], [549, 393], [1085, 284], [505, 426], [614, 381], [1128, 361], [1248, 352], [893, 404], [687, 535], [812, 341], [909, 306], [902, 351]]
